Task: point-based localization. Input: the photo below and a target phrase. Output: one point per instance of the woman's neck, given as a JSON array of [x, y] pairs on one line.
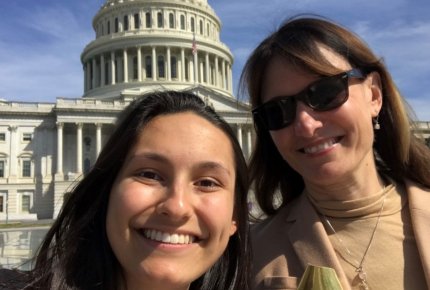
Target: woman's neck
[[347, 188]]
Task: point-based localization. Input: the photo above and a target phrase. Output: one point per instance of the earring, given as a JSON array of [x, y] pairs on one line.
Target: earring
[[376, 124]]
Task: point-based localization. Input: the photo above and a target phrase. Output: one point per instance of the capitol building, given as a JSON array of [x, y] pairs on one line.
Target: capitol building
[[139, 46]]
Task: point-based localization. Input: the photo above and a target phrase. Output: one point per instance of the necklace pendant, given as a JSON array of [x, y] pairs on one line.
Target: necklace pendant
[[363, 278]]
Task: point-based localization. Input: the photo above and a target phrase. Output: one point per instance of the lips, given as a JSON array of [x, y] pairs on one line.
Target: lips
[[168, 238]]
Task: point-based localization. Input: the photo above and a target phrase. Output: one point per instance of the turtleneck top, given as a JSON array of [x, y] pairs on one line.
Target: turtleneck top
[[392, 261]]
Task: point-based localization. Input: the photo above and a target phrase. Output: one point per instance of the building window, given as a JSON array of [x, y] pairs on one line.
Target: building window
[[148, 67], [136, 21], [2, 202], [148, 20], [208, 29], [201, 27], [26, 201], [116, 29], [192, 25], [135, 68], [26, 168], [183, 22], [2, 137], [171, 20], [108, 27], [161, 70], [2, 168], [160, 20], [27, 137], [174, 66], [126, 27]]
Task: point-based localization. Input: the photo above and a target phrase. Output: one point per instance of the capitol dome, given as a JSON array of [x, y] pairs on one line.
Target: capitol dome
[[145, 45]]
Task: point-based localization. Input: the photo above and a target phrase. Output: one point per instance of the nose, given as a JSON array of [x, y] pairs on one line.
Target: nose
[[306, 123], [176, 204]]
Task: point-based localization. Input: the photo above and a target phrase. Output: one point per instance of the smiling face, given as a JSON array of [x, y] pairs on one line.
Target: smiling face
[[331, 147], [170, 212]]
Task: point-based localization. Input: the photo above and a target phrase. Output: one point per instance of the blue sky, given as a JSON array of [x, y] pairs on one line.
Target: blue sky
[[41, 40]]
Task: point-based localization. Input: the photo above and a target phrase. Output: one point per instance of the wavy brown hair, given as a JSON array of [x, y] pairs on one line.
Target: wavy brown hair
[[398, 152]]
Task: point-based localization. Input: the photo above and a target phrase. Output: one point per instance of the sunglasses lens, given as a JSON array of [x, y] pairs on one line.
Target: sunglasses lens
[[278, 114], [328, 94]]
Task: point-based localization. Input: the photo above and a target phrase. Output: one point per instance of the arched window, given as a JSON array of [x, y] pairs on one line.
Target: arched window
[[171, 20], [160, 64], [160, 20], [116, 25], [193, 25], [208, 29], [148, 19], [125, 23], [174, 67], [148, 67], [108, 27], [201, 27], [136, 21], [183, 22]]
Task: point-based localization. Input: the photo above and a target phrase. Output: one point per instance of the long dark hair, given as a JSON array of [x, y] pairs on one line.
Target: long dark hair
[[76, 254], [400, 154]]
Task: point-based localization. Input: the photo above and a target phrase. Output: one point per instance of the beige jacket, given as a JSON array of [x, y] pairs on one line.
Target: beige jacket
[[286, 243]]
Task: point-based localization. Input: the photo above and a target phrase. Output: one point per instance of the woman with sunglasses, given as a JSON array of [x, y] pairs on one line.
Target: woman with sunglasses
[[337, 170]]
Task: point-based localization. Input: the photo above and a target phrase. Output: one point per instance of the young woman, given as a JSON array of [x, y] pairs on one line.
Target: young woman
[[163, 208], [334, 139]]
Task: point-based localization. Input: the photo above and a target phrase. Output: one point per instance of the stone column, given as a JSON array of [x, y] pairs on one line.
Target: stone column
[[223, 75], [85, 78], [216, 72], [13, 158], [79, 147], [169, 65], [98, 138], [182, 65], [249, 137], [94, 65], [196, 67], [239, 134], [112, 68], [125, 67], [230, 78], [201, 72], [139, 64], [154, 64], [102, 70], [60, 148], [208, 75]]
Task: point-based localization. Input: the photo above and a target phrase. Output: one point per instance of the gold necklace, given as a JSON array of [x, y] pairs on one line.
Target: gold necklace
[[361, 273]]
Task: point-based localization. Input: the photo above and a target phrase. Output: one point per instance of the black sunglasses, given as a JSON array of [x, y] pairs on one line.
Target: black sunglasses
[[322, 95]]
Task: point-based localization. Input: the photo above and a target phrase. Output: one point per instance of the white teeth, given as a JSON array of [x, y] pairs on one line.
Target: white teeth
[[168, 238], [319, 147]]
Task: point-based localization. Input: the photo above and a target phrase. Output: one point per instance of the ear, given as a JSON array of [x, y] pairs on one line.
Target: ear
[[376, 89], [233, 227]]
